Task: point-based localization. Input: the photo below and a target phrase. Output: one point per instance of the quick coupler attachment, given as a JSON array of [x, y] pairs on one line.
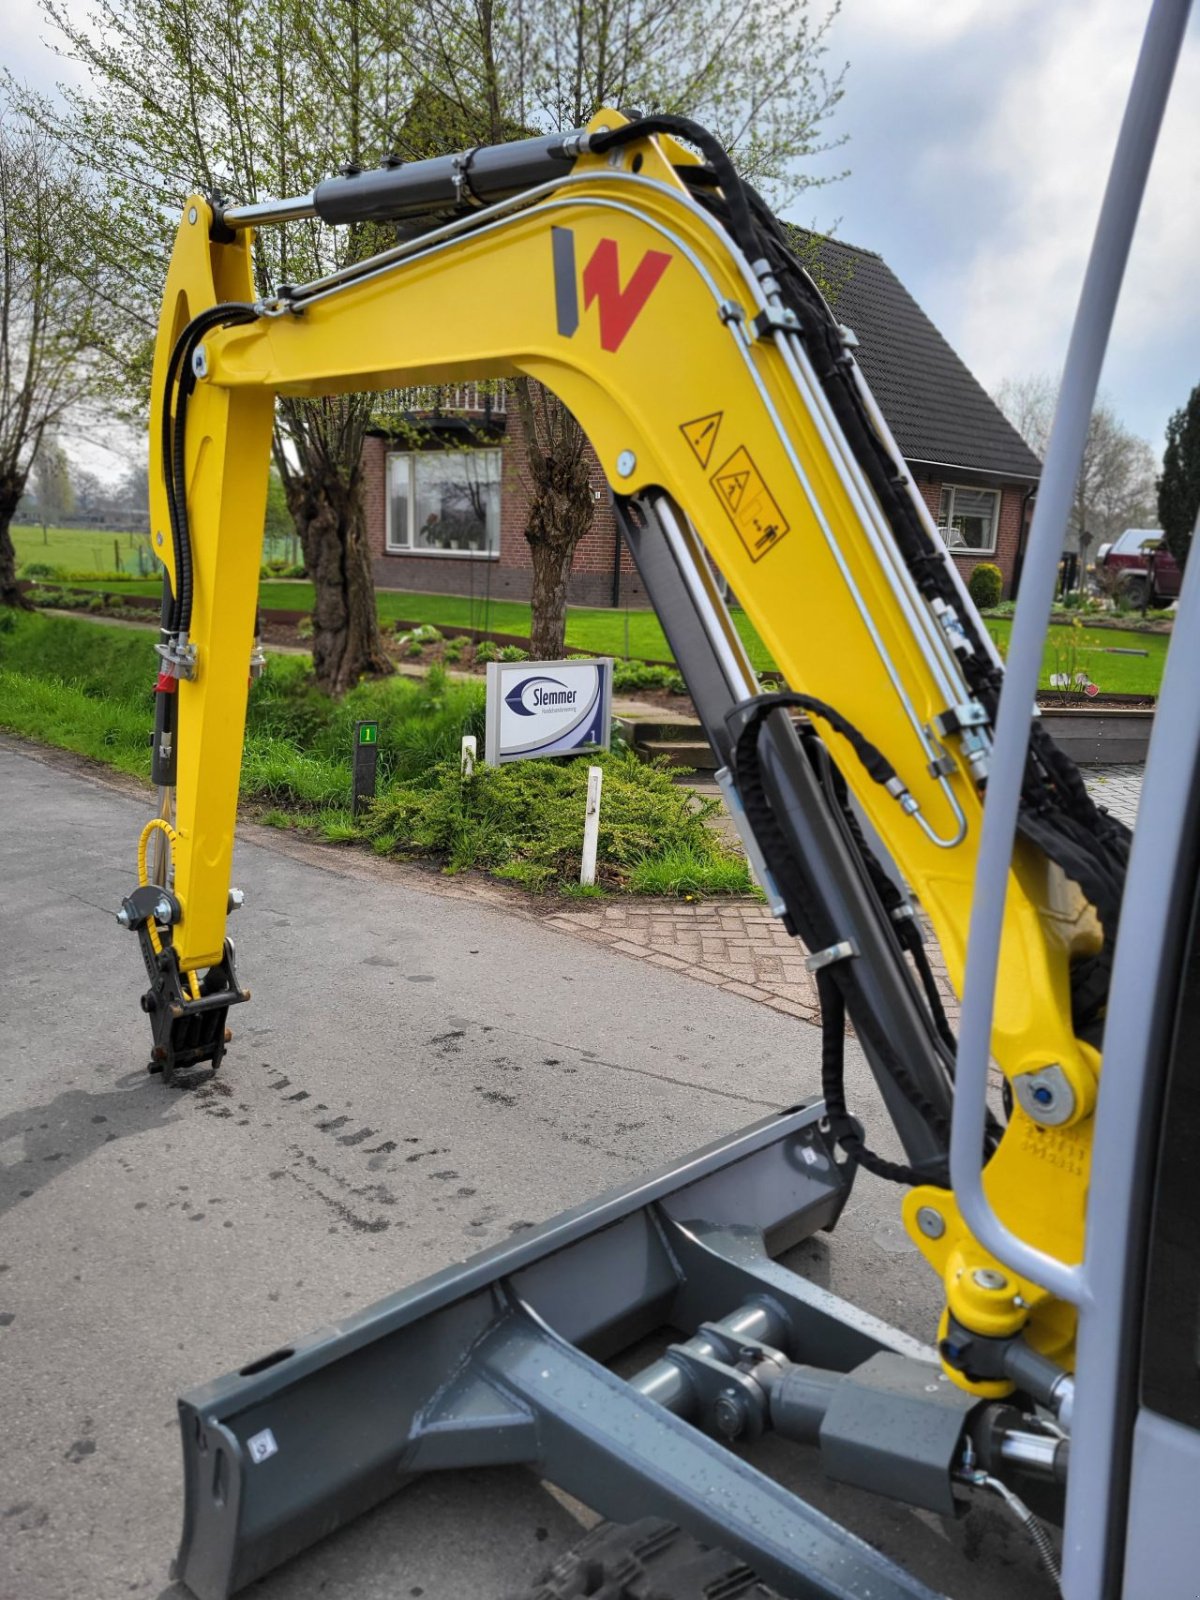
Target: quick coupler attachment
[[187, 1011]]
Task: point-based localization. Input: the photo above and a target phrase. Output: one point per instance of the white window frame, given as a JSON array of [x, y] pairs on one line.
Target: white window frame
[[988, 549], [391, 546]]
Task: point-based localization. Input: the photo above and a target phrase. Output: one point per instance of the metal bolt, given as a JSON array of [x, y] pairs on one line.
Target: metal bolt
[[200, 361], [931, 1223], [236, 899], [729, 1414], [192, 214], [626, 462], [158, 538], [123, 917], [163, 911], [987, 1279], [1045, 1095]]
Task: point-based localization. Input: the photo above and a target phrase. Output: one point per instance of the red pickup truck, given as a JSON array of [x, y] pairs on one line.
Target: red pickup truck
[[1142, 556]]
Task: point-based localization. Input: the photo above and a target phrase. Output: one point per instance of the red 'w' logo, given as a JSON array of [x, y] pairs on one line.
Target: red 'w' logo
[[618, 308]]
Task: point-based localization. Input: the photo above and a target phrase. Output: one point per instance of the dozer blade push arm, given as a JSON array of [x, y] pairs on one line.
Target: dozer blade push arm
[[656, 297]]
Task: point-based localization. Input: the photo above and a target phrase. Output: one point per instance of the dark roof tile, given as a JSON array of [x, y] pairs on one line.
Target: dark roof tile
[[936, 408]]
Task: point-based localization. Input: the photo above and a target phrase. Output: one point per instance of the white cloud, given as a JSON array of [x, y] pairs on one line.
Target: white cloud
[[980, 141], [1047, 146]]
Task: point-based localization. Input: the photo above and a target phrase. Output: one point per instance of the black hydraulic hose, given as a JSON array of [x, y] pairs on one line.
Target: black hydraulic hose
[[179, 383], [732, 186], [1057, 814], [833, 1089], [747, 766]]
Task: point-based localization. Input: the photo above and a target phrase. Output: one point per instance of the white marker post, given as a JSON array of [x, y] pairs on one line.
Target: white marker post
[[591, 826], [468, 755]]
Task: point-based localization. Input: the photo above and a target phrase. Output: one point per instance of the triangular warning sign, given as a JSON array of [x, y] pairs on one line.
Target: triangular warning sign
[[733, 487], [702, 435]]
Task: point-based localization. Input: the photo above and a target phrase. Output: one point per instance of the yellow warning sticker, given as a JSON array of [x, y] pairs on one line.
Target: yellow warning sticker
[[750, 505], [701, 434]]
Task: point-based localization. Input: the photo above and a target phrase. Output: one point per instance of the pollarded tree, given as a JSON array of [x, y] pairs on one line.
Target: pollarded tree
[[254, 98], [489, 69], [1179, 486], [47, 327]]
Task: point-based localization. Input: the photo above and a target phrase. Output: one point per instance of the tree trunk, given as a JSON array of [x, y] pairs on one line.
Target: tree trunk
[[347, 643], [560, 509], [11, 490], [548, 598]]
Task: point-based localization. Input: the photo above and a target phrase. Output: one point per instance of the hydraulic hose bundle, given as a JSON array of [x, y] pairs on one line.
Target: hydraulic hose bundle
[[1057, 813], [173, 646]]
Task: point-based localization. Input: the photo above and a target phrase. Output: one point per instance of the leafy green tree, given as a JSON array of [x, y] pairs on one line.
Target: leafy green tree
[[254, 98], [46, 314], [1179, 486], [489, 68]]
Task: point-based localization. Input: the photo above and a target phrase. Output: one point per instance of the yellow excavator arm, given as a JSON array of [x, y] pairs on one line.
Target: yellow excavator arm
[[653, 294]]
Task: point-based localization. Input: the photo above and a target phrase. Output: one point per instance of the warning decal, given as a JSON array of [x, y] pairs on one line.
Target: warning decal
[[702, 435], [749, 503]]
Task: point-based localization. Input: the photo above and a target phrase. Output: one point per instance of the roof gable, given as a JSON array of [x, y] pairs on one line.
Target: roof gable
[[937, 409]]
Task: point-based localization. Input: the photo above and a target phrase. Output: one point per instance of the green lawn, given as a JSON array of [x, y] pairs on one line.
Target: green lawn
[[1085, 649], [78, 549], [636, 635]]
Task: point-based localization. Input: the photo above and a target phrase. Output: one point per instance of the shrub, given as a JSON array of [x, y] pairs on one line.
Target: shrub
[[512, 652], [524, 821], [633, 675], [485, 651], [985, 585], [39, 569]]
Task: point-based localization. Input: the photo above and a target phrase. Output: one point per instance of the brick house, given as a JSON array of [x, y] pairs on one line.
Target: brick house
[[451, 520]]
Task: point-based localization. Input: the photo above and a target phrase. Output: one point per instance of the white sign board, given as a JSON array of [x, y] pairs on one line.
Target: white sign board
[[547, 708]]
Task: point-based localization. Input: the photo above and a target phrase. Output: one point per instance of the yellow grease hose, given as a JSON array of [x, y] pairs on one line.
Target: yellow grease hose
[[157, 824]]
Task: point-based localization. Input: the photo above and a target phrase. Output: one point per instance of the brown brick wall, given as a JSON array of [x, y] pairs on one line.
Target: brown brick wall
[[592, 574], [1008, 531], [510, 576]]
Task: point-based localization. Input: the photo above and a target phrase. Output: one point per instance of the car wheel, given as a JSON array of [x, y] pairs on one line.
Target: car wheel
[[1134, 590]]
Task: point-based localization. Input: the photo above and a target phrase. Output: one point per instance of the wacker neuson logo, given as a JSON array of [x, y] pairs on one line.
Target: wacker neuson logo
[[532, 695], [618, 309]]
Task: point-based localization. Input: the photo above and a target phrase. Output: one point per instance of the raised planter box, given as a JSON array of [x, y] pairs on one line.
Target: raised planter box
[[1100, 735], [1091, 735]]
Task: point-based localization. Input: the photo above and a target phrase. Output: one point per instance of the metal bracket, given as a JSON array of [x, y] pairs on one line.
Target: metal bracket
[[968, 721], [775, 319], [179, 657], [188, 1036], [844, 950], [148, 901]]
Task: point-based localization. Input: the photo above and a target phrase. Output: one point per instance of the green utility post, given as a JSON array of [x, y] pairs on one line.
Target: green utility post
[[366, 757]]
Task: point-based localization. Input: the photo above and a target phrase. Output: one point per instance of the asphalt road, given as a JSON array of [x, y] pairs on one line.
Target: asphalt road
[[419, 1074]]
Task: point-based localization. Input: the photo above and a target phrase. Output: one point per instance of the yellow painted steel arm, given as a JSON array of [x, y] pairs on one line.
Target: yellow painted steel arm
[[624, 297]]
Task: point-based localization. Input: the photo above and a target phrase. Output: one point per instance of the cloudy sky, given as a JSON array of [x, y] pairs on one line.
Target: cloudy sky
[[980, 133]]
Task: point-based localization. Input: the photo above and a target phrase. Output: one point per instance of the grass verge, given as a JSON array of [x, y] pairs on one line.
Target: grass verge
[[89, 689], [1097, 651], [635, 635]]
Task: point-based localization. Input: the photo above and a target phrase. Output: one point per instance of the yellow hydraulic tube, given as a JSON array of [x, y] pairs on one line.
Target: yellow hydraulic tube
[[159, 825]]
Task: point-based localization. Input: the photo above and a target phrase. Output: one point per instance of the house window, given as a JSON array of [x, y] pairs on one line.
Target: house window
[[967, 517], [444, 502]]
